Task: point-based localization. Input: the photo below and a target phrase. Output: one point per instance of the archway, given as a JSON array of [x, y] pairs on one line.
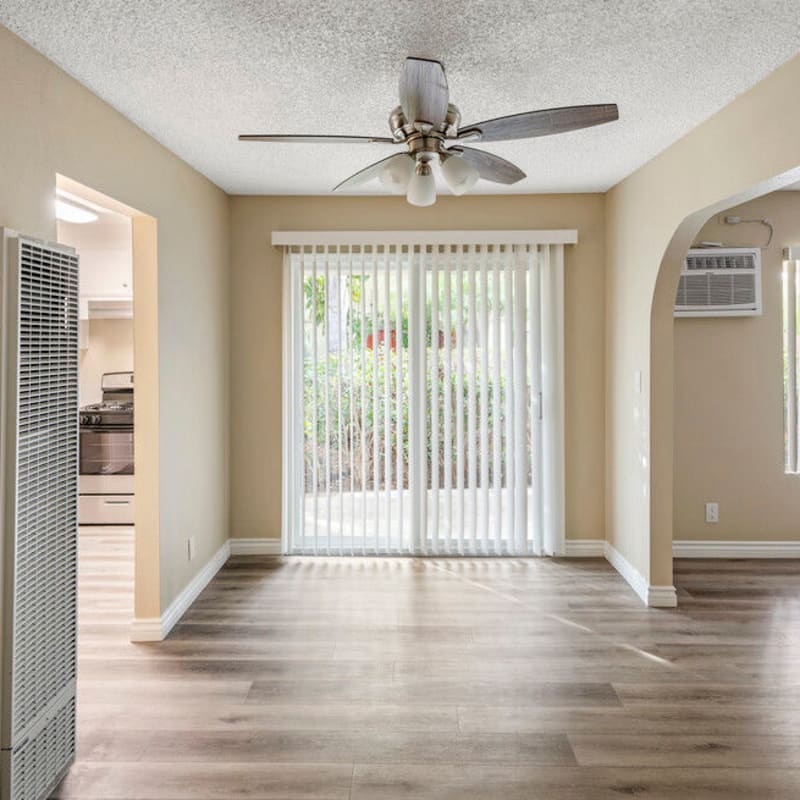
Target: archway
[[662, 373], [652, 217]]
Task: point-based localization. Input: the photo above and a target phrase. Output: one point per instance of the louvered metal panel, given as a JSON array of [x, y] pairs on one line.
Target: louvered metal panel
[[720, 282], [39, 761], [40, 464], [715, 290], [706, 260]]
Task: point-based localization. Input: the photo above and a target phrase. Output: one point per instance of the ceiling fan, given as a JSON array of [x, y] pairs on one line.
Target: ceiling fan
[[429, 127]]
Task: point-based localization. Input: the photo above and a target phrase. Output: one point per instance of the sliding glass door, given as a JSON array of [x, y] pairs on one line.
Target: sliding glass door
[[417, 387]]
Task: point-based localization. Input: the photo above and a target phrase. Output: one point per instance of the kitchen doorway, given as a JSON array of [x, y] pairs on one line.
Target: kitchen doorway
[[103, 239], [118, 510]]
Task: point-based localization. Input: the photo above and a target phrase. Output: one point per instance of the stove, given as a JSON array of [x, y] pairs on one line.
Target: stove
[[106, 454], [111, 413]]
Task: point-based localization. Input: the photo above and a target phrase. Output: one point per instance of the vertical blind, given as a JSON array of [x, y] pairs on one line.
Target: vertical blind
[[791, 311], [423, 397]]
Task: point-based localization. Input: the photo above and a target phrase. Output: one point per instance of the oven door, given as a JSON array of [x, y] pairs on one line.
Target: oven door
[[106, 451]]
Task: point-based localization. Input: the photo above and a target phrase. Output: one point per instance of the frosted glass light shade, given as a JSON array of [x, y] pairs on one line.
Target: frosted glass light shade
[[422, 186], [397, 173], [460, 175]]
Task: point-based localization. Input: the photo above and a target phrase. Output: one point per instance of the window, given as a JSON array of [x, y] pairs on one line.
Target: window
[[791, 295], [424, 399]]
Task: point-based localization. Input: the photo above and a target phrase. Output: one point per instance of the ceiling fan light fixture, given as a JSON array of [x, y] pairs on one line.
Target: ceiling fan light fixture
[[422, 186], [460, 175], [397, 173], [69, 212], [429, 126]]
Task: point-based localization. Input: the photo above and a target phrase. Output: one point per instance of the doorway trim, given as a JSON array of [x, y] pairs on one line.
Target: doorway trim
[[147, 588]]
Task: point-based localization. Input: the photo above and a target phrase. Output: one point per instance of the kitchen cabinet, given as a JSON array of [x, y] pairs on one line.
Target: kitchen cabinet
[[105, 248]]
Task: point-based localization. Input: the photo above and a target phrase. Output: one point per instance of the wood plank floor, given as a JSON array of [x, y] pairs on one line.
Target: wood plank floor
[[369, 679]]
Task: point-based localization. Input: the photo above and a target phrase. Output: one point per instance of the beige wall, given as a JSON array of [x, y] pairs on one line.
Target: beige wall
[[256, 332], [110, 350], [653, 216], [54, 125], [51, 124], [729, 415]]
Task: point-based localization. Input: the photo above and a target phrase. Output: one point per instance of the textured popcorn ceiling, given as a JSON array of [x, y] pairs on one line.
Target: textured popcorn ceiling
[[195, 73]]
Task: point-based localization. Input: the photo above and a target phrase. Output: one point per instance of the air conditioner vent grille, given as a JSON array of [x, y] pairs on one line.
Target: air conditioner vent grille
[[716, 290], [715, 260], [720, 283]]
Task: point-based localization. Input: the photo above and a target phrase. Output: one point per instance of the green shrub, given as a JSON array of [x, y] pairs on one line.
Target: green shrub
[[348, 424]]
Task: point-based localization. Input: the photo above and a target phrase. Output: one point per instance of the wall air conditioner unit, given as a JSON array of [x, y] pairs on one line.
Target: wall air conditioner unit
[[38, 513], [720, 282]]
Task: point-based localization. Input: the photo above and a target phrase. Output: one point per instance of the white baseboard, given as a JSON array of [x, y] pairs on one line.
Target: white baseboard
[[146, 629], [690, 548], [584, 548], [632, 575], [654, 596], [255, 547], [155, 629], [661, 597]]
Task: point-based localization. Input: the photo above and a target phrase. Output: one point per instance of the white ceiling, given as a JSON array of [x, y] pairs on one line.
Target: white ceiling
[[195, 73]]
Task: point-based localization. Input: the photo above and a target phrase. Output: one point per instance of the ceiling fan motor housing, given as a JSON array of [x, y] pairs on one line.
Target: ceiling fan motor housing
[[403, 130]]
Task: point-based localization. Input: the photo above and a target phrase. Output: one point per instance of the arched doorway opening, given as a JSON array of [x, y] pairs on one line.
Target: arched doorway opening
[[662, 375]]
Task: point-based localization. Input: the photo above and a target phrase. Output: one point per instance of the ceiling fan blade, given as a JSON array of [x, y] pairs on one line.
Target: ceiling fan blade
[[544, 122], [423, 91], [490, 167], [368, 173], [268, 137]]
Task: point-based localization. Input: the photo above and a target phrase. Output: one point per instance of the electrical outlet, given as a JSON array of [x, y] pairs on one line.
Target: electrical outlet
[[190, 550], [712, 512]]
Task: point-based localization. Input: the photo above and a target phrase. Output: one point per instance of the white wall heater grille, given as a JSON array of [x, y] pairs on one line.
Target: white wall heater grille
[[39, 508], [720, 282]]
